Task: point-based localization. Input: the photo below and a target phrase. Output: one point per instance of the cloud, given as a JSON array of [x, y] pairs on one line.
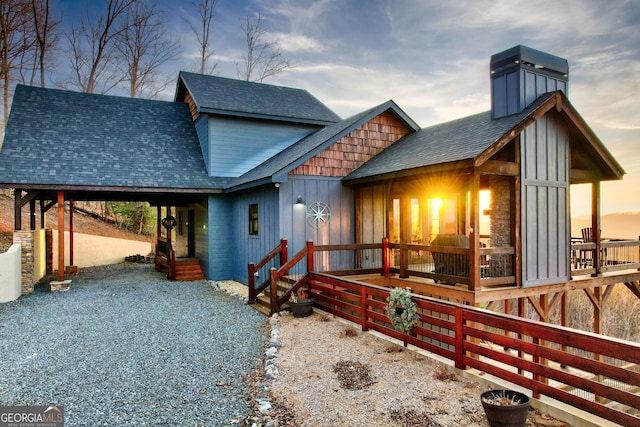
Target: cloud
[[297, 42]]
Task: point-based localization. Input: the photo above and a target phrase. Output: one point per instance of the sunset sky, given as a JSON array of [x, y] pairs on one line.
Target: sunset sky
[[432, 59]]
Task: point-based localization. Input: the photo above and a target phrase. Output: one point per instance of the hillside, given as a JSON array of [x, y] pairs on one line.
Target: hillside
[[81, 224]]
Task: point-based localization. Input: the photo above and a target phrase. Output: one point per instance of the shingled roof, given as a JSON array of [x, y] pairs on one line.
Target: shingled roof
[[66, 138], [452, 141], [220, 95]]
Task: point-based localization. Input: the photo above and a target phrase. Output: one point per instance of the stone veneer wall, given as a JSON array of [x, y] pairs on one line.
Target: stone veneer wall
[[500, 211], [25, 239], [500, 265], [33, 257]]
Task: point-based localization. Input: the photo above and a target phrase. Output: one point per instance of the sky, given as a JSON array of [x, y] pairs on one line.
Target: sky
[[432, 59]]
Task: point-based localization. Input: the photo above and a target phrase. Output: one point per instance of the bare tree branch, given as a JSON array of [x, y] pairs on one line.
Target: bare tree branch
[[16, 40], [144, 48], [202, 32], [263, 58], [93, 48], [46, 33]]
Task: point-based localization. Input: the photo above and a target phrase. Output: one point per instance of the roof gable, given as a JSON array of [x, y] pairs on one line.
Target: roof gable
[[220, 95], [277, 168], [475, 138]]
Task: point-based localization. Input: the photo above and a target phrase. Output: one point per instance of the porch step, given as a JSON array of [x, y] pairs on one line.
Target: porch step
[[263, 302], [188, 269]]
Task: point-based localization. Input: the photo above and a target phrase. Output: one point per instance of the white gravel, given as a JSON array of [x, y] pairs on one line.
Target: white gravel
[[125, 346]]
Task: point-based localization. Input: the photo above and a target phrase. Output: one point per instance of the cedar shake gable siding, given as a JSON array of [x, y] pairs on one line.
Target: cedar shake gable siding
[[355, 149]]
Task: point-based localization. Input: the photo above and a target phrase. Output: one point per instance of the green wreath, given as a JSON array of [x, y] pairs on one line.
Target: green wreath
[[169, 222], [401, 310]]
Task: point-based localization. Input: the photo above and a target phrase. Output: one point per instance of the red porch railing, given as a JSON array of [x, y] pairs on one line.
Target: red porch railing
[[592, 372], [548, 360]]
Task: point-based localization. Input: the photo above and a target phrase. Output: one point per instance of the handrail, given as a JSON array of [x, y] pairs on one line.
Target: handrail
[[282, 250], [276, 275], [471, 337]]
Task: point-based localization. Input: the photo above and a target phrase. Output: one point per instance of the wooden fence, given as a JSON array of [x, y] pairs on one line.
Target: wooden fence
[[548, 360]]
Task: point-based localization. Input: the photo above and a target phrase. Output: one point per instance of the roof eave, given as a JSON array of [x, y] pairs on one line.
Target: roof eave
[[205, 110]]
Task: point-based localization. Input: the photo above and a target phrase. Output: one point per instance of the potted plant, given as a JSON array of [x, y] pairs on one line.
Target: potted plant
[[505, 408], [301, 304]]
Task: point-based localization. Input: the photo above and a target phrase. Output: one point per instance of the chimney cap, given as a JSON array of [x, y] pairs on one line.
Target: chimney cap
[[523, 56]]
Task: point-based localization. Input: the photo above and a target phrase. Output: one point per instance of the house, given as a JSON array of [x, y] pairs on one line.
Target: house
[[243, 165], [236, 169]]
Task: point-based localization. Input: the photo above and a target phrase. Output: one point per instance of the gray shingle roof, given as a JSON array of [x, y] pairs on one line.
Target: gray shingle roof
[[70, 138], [222, 95], [280, 164], [453, 141]]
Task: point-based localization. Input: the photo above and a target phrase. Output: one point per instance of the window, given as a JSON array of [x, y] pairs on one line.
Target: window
[[253, 220]]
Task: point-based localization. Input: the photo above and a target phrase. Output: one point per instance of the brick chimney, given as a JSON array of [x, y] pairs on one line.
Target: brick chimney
[[520, 75]]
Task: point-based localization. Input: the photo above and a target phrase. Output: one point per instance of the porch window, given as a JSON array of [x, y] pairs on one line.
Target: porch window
[[253, 219]]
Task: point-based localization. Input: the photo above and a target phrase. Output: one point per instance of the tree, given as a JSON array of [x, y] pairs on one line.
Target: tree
[[46, 35], [143, 48], [203, 34], [262, 58], [93, 48], [16, 40]]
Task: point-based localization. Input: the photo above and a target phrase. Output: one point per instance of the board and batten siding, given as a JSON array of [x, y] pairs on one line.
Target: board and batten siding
[[513, 92], [545, 199], [248, 248], [237, 145], [217, 232], [294, 223]]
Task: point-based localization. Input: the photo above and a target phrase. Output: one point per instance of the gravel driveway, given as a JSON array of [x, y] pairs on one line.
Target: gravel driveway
[[125, 346]]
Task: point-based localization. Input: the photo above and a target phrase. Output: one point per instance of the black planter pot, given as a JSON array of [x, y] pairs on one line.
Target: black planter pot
[[506, 415], [302, 308]]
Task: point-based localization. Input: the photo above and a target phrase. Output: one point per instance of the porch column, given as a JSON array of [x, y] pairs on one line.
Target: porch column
[[596, 225], [474, 232], [17, 211], [60, 236], [71, 232], [32, 214]]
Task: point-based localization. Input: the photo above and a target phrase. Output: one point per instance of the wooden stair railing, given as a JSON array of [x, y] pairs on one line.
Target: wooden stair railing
[[282, 250], [165, 257]]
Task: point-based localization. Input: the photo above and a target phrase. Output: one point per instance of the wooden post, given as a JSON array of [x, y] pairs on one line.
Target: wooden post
[[32, 214], [474, 233], [363, 308], [596, 226], [60, 236], [284, 252], [159, 222], [17, 211], [251, 282], [310, 261], [42, 215], [459, 339], [70, 232], [273, 290], [405, 234], [385, 256]]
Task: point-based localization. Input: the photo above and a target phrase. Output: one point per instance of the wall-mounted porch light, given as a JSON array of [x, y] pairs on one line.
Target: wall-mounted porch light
[[300, 200]]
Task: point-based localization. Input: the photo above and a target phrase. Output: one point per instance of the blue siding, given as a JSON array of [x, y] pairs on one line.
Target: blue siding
[[202, 129], [247, 248], [238, 145], [293, 220], [220, 238]]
